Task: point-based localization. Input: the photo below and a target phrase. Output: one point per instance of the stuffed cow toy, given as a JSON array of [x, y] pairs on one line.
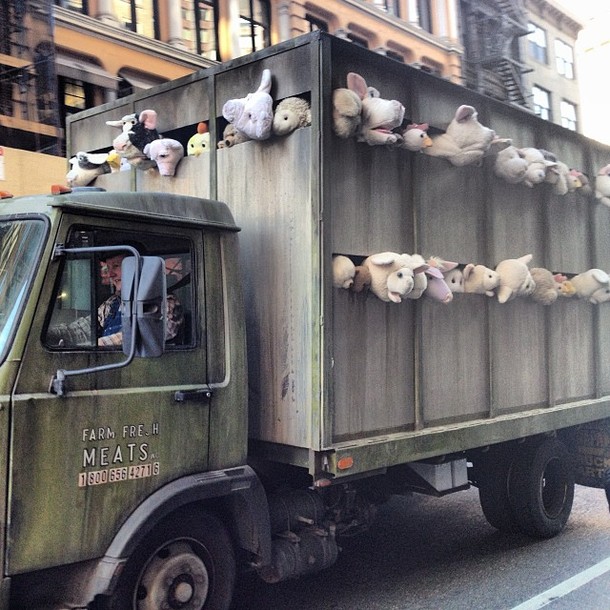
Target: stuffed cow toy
[[136, 132]]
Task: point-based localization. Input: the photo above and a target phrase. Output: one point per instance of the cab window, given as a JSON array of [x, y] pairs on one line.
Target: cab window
[[86, 309]]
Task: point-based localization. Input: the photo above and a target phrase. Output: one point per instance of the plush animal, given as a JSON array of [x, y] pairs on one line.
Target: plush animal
[[480, 279], [392, 275], [167, 153], [347, 109], [344, 271], [232, 137], [200, 142], [565, 288], [515, 278], [546, 290], [291, 113], [510, 165], [602, 185], [466, 141], [252, 115], [558, 174], [593, 285], [379, 116], [136, 132], [455, 280], [362, 279], [438, 289], [415, 137], [537, 166], [420, 280], [86, 167], [582, 180]]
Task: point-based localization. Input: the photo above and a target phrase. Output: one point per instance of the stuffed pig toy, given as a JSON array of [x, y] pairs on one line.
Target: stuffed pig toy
[[437, 288], [252, 115], [392, 275], [167, 153], [466, 141], [379, 116], [602, 185], [515, 278]]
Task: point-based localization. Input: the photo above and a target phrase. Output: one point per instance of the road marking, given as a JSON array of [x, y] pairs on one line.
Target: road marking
[[567, 586]]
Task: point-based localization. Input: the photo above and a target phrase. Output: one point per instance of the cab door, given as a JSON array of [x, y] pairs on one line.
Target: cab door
[[85, 460]]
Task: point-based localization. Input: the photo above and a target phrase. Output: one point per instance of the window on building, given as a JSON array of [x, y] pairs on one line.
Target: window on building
[[200, 28], [388, 6], [542, 102], [254, 25], [81, 6], [568, 115], [316, 24], [358, 40], [564, 59], [141, 16], [424, 12], [536, 42], [395, 56]]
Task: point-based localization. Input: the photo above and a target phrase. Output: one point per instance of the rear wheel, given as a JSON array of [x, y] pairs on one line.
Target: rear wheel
[[187, 563], [541, 488]]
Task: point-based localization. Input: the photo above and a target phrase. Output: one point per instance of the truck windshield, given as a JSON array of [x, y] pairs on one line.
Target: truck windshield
[[20, 244]]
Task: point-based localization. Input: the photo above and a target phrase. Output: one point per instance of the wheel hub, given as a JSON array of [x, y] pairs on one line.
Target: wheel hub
[[176, 578]]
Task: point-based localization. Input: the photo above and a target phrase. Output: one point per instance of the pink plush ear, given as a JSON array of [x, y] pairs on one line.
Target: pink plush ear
[[559, 277], [422, 126], [468, 269], [148, 118], [421, 269], [434, 272], [357, 84]]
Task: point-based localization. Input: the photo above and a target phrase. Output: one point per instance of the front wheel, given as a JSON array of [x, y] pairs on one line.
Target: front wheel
[[186, 563], [541, 488]]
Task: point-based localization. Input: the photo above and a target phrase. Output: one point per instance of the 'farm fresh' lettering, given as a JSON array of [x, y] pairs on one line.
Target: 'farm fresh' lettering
[[128, 457]]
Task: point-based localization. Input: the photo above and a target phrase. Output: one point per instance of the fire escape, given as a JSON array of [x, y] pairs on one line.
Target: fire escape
[[492, 29], [29, 117]]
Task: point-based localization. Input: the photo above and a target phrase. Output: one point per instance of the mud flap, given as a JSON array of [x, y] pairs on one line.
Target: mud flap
[[589, 445]]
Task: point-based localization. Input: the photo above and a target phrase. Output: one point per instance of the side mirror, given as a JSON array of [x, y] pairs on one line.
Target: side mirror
[[144, 314]]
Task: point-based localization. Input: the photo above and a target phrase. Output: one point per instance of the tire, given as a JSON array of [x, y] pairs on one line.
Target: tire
[[492, 478], [187, 562], [541, 488]]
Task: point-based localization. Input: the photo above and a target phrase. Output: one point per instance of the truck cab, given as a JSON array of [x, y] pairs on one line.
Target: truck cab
[[93, 442]]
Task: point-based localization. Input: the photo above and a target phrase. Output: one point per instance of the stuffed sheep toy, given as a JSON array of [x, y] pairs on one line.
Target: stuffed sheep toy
[[515, 278], [479, 279], [167, 153], [466, 141], [593, 285], [415, 137], [378, 116], [86, 167], [546, 290], [291, 113], [344, 271], [252, 115], [200, 142], [392, 275], [602, 185], [136, 132]]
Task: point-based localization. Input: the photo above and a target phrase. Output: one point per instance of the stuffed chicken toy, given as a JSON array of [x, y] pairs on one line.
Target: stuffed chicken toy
[[392, 275], [166, 153], [200, 142], [252, 115], [515, 278], [415, 137], [291, 113], [466, 141], [592, 285]]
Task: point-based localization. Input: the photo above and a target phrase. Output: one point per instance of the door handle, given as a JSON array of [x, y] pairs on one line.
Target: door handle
[[200, 394]]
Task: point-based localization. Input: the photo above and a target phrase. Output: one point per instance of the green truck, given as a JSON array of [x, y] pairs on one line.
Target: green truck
[[281, 410]]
